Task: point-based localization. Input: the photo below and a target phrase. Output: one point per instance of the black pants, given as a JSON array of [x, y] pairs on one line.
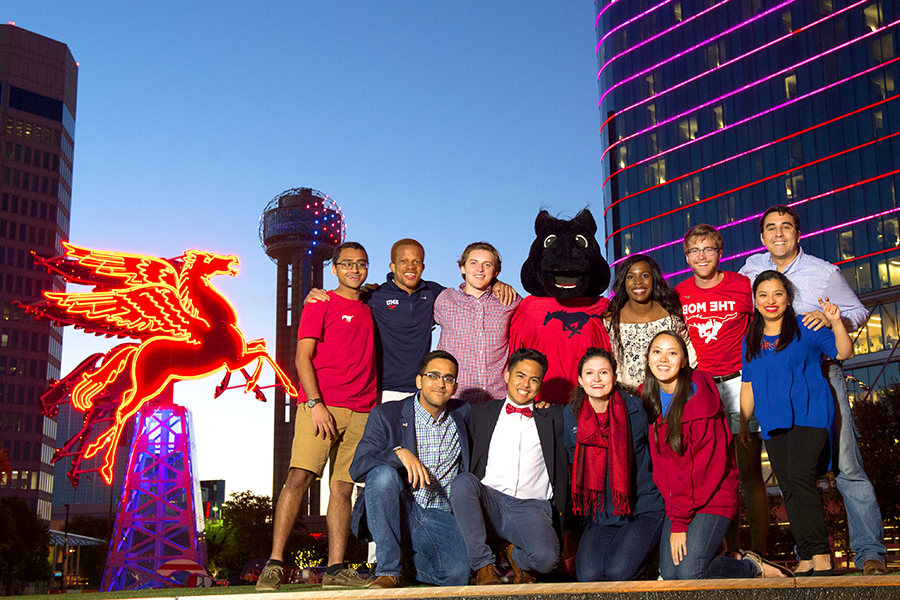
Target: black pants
[[797, 456]]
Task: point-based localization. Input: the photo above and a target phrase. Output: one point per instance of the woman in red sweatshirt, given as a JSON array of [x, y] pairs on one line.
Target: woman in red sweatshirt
[[693, 467]]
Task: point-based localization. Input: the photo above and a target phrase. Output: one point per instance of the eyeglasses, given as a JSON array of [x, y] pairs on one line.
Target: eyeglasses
[[435, 376], [349, 264], [708, 251]]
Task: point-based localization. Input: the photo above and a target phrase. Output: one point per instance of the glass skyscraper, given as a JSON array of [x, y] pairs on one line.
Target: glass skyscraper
[[38, 84], [714, 110]]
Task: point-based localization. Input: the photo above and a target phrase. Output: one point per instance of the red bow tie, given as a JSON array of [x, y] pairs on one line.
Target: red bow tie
[[522, 410]]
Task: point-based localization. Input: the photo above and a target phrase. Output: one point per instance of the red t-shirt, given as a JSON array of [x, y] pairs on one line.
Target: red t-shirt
[[345, 352], [717, 320]]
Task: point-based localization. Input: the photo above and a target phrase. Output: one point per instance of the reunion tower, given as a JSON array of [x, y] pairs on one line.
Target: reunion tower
[[299, 230]]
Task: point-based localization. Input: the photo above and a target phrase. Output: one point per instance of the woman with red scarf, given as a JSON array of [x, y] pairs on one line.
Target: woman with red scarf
[[612, 487], [693, 467]]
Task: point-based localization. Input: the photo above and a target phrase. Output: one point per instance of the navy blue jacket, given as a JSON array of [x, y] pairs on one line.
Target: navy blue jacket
[[390, 425], [403, 324], [644, 497]]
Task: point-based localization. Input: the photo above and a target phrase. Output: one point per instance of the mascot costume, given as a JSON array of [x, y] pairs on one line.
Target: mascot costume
[[565, 273]]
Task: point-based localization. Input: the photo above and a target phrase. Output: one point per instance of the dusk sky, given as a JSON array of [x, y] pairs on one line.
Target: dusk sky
[[449, 122]]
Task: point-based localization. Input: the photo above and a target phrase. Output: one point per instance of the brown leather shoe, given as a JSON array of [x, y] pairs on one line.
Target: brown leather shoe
[[874, 567], [520, 575], [488, 575], [385, 582]]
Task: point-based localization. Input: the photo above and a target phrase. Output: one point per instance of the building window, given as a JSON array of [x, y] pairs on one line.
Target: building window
[[883, 48], [718, 117], [873, 16], [786, 22], [790, 86], [687, 128]]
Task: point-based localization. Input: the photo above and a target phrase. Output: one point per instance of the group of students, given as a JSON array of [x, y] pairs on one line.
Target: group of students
[[643, 452]]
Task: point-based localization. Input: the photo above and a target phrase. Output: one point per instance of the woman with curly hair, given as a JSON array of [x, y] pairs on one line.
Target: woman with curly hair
[[612, 487], [642, 306]]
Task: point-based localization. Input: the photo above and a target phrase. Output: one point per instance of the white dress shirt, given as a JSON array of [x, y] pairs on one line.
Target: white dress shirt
[[515, 464]]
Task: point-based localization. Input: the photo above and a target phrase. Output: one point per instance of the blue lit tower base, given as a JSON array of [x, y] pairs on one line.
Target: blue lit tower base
[[158, 520]]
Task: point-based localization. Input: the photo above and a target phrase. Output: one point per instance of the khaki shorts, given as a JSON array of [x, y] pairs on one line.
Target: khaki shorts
[[310, 452]]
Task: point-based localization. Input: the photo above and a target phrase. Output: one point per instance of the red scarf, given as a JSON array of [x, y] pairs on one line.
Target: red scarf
[[598, 443]]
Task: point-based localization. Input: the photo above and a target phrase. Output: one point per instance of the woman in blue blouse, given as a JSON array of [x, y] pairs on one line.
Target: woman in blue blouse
[[783, 382], [612, 487]]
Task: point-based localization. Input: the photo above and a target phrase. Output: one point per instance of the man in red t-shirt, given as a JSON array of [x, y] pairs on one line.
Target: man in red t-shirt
[[336, 367], [718, 306]]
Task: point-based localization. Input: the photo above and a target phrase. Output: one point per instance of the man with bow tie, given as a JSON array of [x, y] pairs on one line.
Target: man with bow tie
[[517, 483]]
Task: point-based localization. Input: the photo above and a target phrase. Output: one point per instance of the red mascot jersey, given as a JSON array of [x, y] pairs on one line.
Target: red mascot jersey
[[563, 330]]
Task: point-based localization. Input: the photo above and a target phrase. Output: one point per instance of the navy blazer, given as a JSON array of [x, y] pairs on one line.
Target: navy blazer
[[551, 427], [390, 425]]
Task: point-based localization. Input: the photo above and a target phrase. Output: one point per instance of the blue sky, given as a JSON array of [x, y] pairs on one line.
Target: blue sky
[[449, 122]]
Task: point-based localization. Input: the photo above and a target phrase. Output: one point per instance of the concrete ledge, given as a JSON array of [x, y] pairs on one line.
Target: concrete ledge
[[806, 588]]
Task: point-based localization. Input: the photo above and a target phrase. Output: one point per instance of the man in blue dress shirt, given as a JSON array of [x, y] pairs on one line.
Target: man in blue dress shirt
[[814, 278]]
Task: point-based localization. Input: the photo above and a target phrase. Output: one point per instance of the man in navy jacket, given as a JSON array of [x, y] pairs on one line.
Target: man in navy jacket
[[408, 456]]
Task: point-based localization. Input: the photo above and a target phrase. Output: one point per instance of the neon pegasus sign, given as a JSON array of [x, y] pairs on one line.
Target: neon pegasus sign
[[185, 327]]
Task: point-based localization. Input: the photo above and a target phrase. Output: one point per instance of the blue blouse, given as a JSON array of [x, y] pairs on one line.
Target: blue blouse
[[789, 388]]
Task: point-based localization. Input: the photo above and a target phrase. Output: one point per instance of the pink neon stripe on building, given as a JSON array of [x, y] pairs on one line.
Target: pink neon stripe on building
[[750, 118], [747, 86]]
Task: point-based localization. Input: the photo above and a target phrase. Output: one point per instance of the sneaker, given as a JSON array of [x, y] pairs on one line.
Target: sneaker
[[270, 579], [343, 578]]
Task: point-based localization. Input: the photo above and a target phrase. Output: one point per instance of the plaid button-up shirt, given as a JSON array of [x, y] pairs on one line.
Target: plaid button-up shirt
[[438, 449], [476, 332]]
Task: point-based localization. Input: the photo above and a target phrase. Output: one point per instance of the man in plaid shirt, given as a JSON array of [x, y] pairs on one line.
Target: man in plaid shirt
[[410, 452], [475, 325]]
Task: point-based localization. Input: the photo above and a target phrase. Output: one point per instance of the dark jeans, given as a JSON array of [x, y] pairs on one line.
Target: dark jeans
[[797, 457], [863, 513], [704, 538], [617, 552], [484, 512], [430, 538]]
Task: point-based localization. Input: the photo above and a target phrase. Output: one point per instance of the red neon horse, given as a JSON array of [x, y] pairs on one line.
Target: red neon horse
[[187, 330]]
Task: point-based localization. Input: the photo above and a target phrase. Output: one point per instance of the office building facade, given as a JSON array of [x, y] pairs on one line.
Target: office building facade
[[38, 84], [714, 110]]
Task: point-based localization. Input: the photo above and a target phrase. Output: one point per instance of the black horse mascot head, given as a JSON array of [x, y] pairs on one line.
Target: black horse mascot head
[[565, 259]]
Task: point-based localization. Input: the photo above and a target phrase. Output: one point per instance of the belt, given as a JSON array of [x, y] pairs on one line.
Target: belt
[[723, 378]]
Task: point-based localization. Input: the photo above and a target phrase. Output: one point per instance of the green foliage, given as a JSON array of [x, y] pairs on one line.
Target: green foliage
[[878, 423], [24, 544], [244, 533], [93, 558]]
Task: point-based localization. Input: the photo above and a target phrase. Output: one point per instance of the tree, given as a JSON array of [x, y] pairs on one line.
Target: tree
[[93, 558], [244, 533], [878, 422], [24, 544]]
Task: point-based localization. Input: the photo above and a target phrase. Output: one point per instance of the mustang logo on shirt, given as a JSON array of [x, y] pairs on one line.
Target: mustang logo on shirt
[[570, 321], [347, 318], [392, 304], [710, 329]]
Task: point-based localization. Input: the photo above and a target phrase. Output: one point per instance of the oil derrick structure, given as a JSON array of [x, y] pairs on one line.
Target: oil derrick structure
[[299, 230]]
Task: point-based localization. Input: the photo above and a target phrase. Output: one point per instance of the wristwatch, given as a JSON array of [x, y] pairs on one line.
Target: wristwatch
[[312, 402]]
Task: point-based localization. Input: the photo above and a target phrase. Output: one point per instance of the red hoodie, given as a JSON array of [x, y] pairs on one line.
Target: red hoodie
[[705, 479]]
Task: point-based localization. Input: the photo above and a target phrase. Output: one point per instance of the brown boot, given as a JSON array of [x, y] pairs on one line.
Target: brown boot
[[488, 575], [520, 574]]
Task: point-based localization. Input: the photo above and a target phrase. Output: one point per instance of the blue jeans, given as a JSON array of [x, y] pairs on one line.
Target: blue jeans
[[863, 513], [617, 552], [484, 512], [704, 538], [429, 537]]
